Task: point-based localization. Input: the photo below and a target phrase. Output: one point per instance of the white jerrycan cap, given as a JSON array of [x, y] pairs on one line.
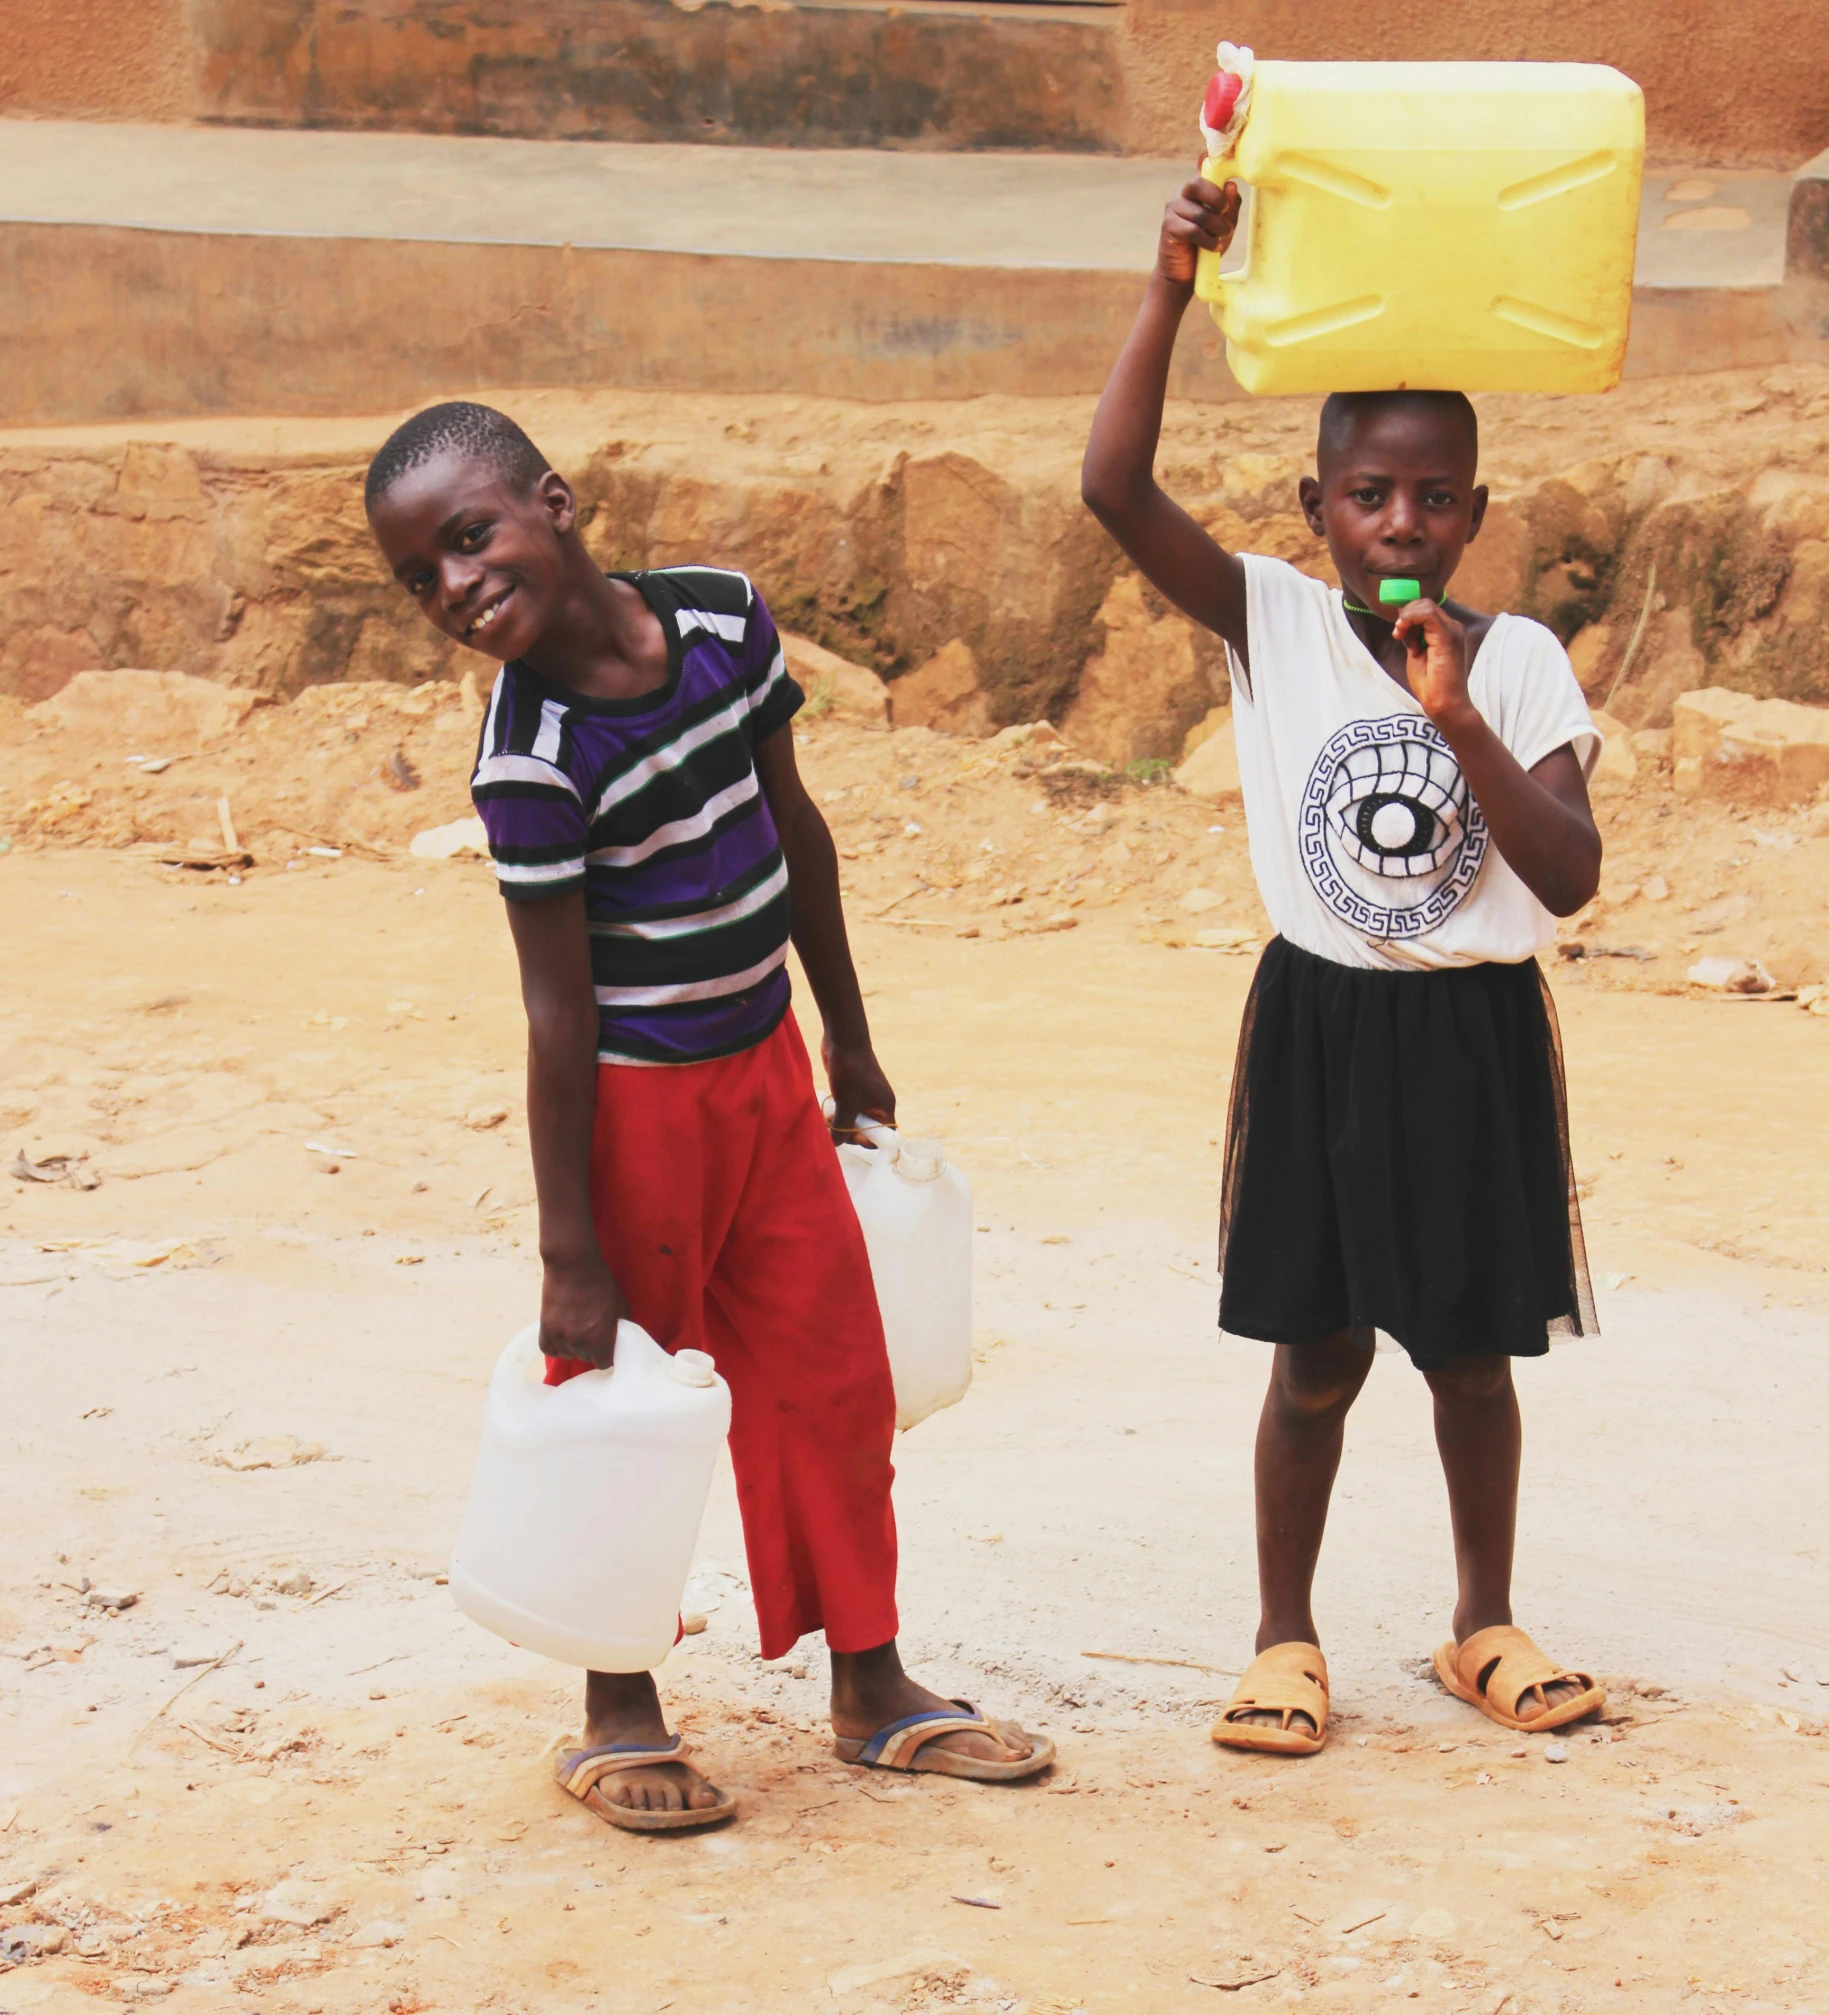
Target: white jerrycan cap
[[693, 1367], [921, 1161]]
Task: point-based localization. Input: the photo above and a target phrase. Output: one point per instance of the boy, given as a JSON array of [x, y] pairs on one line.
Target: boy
[[1414, 782], [636, 775]]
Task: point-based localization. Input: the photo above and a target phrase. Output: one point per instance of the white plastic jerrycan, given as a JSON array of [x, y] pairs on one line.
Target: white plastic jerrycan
[[916, 1211], [586, 1501]]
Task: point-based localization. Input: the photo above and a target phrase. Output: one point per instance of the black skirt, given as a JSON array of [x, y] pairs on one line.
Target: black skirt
[[1397, 1157]]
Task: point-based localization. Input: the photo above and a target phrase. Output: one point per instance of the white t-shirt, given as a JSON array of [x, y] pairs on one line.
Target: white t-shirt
[[1367, 845]]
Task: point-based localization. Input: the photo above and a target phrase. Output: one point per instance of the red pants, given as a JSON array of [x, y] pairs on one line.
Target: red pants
[[722, 1211]]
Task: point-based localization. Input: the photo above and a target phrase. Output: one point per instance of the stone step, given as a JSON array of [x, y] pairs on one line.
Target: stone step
[[817, 73], [170, 270]]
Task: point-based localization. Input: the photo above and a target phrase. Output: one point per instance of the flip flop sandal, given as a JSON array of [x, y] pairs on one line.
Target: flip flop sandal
[[903, 1745], [1288, 1679], [580, 1771], [1498, 1667]]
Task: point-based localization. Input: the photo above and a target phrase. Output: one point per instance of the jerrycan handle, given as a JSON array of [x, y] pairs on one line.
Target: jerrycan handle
[[640, 1358], [1212, 275], [519, 1378], [873, 1137]]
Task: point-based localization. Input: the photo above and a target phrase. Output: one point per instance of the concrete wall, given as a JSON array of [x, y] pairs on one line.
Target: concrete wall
[[95, 59], [1745, 85], [1742, 85]]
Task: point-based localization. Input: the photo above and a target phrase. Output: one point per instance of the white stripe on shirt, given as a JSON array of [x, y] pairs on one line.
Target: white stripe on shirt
[[680, 830], [530, 874], [640, 774], [691, 990], [730, 628], [521, 770], [662, 928], [552, 726]]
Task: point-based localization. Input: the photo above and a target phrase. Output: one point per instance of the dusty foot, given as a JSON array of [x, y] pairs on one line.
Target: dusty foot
[[1270, 1717], [870, 1690], [624, 1707]]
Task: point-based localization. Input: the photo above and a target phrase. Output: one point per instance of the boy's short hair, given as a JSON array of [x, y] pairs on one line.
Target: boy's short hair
[[460, 427], [1343, 411]]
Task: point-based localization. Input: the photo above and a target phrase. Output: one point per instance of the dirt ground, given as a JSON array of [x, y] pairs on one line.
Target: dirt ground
[[247, 1369]]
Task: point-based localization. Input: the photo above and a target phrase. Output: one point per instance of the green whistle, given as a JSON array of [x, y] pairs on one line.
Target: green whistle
[[1392, 593]]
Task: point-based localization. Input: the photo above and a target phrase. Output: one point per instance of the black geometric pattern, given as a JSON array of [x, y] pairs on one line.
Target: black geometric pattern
[[1389, 834]]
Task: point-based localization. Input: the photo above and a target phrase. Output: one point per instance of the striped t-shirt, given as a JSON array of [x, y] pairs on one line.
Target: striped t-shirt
[[653, 806]]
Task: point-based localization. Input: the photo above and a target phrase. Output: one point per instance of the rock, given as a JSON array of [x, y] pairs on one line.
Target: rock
[[1434, 1924], [1024, 745], [1651, 745], [1733, 976], [1143, 692], [1556, 1753], [445, 843], [1816, 821], [912, 1966], [693, 1622], [480, 1118], [378, 1934], [1211, 771], [295, 1582], [186, 1656], [1198, 900], [35, 1941], [112, 1598], [943, 694], [12, 1892], [1205, 729], [1729, 745], [1656, 890], [850, 692], [1617, 765], [295, 1902], [155, 713]]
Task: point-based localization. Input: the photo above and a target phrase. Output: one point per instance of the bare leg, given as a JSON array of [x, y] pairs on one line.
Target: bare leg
[[1299, 1437], [1481, 1439]]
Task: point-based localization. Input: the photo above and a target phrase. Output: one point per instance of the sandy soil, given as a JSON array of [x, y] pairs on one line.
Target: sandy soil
[[248, 1365]]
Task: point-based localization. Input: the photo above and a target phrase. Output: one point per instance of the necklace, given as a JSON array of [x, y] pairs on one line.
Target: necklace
[[1354, 608]]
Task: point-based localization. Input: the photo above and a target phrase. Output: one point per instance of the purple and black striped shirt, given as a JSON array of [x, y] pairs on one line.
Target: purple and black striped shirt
[[653, 806]]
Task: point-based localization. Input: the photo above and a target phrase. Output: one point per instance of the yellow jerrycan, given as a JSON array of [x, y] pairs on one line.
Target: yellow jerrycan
[[1444, 226]]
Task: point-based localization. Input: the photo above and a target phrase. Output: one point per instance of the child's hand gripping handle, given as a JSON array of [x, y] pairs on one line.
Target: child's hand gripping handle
[[1209, 286], [1222, 116]]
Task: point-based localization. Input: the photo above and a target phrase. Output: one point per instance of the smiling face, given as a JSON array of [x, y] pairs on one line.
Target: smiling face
[[1395, 497], [481, 553]]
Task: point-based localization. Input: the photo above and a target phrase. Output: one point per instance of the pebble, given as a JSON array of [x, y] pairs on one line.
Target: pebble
[[379, 1933], [1556, 1753], [112, 1598]]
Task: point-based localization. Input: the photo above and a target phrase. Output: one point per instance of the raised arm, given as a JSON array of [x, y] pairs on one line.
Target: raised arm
[[580, 1300], [1118, 474], [857, 1080]]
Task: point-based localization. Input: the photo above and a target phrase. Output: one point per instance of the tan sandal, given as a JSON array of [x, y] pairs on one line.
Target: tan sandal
[[1288, 1679], [1498, 1667], [580, 1771]]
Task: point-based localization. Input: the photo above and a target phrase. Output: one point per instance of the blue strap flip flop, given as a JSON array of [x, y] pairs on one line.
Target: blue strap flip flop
[[580, 1771], [904, 1745]]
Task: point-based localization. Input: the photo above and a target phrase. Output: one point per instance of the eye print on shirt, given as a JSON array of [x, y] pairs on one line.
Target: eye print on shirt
[[1390, 837]]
